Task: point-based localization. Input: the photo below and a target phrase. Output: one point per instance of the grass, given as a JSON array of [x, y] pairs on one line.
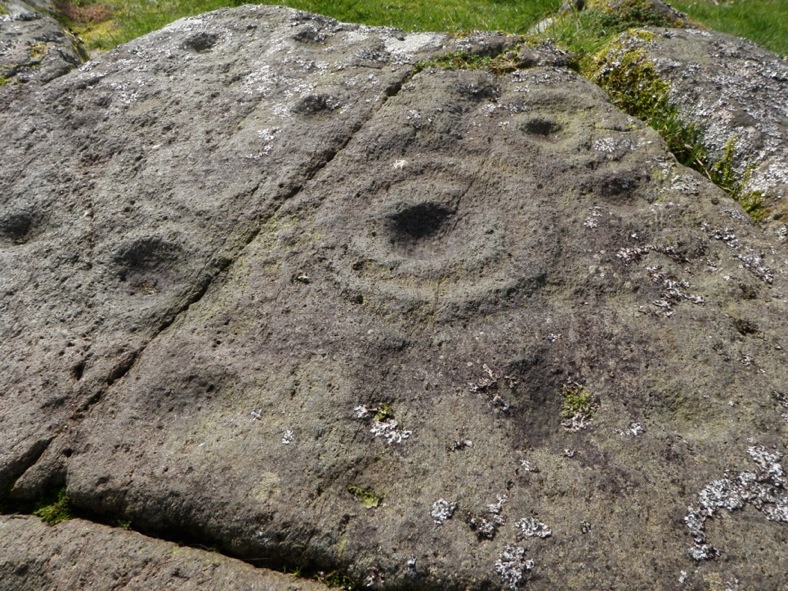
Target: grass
[[106, 23], [587, 31], [763, 21]]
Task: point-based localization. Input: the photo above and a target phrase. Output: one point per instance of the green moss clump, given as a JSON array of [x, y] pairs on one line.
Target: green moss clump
[[383, 412], [462, 60], [724, 175], [636, 13], [368, 497], [38, 51], [577, 400], [56, 511]]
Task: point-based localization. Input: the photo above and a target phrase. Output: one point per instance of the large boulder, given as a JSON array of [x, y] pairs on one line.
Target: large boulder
[[284, 287]]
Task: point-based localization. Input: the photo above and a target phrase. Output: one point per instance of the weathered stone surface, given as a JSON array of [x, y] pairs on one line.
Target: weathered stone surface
[[732, 89], [34, 46], [277, 289], [162, 159], [90, 557]]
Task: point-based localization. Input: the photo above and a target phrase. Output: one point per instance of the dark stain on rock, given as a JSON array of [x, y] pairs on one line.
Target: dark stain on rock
[[541, 126], [315, 104], [310, 35], [148, 264], [18, 227], [617, 185], [201, 42], [419, 221]]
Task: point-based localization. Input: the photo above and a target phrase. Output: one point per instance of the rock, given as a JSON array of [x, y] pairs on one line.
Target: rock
[[33, 45], [280, 286], [91, 557], [734, 91]]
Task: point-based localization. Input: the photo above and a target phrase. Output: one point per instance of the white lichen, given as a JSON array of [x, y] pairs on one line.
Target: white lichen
[[764, 489], [382, 424], [490, 383], [487, 527], [528, 466], [592, 219], [389, 429], [635, 429], [512, 567], [674, 290], [528, 527], [410, 568], [442, 510], [750, 260], [633, 254], [374, 579], [755, 265]]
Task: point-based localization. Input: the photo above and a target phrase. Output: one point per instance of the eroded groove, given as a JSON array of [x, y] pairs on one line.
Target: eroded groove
[[12, 471]]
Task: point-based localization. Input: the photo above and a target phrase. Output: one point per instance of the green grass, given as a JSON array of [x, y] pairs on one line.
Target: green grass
[[763, 21], [586, 32], [106, 23], [132, 18]]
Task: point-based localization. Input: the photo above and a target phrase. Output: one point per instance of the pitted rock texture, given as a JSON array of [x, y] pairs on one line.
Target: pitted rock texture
[[34, 47], [280, 289], [90, 557], [731, 89]]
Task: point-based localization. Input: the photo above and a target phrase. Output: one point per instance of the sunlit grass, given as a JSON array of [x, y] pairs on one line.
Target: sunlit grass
[[106, 23], [132, 18], [763, 21]]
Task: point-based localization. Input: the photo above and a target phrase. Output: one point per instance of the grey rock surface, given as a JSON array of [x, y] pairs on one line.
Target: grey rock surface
[[33, 45], [90, 557], [732, 89], [272, 285]]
